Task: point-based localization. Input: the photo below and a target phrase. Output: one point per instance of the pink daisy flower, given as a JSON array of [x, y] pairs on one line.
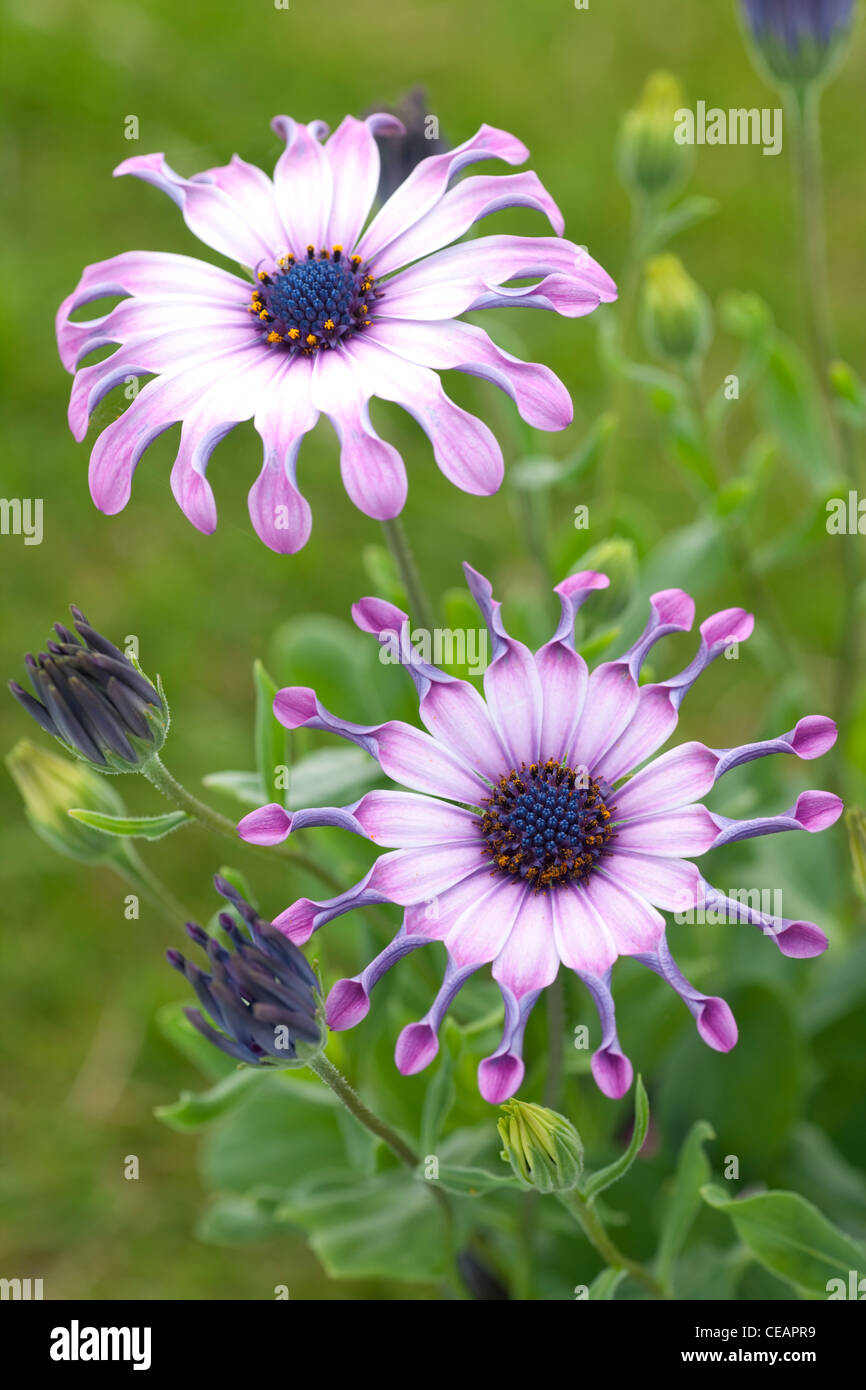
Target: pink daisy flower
[[540, 828], [331, 315]]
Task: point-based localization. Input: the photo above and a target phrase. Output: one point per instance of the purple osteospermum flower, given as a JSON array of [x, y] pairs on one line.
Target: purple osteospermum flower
[[261, 992], [799, 40], [331, 319], [520, 843], [793, 21]]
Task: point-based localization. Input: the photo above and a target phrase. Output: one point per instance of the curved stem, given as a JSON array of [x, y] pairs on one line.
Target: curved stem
[[140, 876], [401, 553], [630, 279], [591, 1224], [336, 1081], [810, 191], [158, 774]]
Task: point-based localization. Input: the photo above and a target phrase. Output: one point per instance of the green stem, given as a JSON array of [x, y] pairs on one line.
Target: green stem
[[398, 544], [334, 1079], [158, 774], [635, 255], [807, 119], [813, 238], [141, 877], [591, 1224]]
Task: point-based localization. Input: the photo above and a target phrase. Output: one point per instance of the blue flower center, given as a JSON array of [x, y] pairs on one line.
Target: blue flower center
[[315, 302], [547, 824]]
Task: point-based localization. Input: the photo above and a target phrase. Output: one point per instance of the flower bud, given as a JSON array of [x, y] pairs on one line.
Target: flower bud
[[261, 994], [543, 1147], [53, 786], [649, 158], [677, 320], [94, 699], [400, 154], [797, 42]]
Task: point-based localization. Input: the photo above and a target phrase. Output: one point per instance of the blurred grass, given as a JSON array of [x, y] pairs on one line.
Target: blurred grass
[[80, 982]]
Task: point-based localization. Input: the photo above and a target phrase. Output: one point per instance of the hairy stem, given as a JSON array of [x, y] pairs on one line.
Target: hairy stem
[[158, 774], [591, 1224], [401, 553]]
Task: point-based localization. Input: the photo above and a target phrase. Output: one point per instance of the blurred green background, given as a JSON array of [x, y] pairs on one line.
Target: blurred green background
[[83, 1064]]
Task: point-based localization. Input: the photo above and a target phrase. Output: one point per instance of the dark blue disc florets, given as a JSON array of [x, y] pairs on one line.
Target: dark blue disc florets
[[547, 823], [314, 302]]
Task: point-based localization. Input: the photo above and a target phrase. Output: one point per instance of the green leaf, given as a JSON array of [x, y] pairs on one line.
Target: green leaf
[[196, 1108], [380, 568], [332, 776], [597, 1182], [791, 1238], [685, 214], [605, 1285], [467, 1181], [237, 1221], [139, 827], [277, 1133], [537, 473], [270, 737], [172, 1022], [386, 1226], [439, 1097], [693, 1172], [245, 787], [326, 776], [753, 1092], [789, 403]]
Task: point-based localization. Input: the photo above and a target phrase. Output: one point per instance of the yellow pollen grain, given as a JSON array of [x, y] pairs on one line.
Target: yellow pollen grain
[[264, 314], [274, 338], [329, 324], [311, 339], [294, 333]]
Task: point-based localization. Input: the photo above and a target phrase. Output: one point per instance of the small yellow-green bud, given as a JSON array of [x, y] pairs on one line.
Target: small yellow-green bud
[[676, 317], [650, 160], [543, 1147], [52, 786]]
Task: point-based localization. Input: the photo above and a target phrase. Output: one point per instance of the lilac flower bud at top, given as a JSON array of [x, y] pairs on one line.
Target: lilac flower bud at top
[[543, 1147], [52, 786], [797, 42], [94, 699]]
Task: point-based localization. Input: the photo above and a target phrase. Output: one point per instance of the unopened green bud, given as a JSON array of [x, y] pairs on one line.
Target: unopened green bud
[[677, 319], [650, 160], [544, 1148], [617, 558], [52, 786]]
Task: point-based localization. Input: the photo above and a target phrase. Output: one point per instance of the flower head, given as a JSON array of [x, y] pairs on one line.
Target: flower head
[[332, 316], [261, 993], [540, 827], [798, 41], [94, 699]]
